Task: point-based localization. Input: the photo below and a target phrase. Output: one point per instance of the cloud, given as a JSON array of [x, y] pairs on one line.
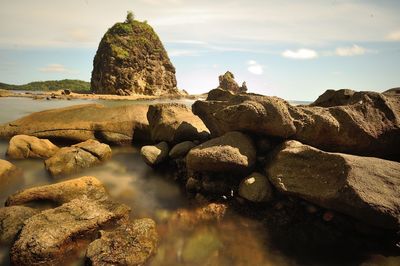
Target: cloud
[[54, 68], [178, 52], [254, 67], [394, 36], [300, 54], [350, 51]]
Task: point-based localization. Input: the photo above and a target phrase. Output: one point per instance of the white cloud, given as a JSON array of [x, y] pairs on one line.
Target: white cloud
[[300, 54], [254, 67], [350, 51], [179, 52], [54, 68], [394, 36]]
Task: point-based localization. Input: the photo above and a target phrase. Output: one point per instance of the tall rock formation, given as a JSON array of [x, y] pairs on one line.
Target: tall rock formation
[[131, 59]]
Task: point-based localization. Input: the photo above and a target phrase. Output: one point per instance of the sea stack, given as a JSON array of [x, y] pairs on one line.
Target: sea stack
[[132, 60]]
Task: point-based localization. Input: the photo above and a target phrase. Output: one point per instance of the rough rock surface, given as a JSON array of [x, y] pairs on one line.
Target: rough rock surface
[[23, 146], [368, 125], [232, 152], [132, 60], [256, 188], [117, 125], [219, 94], [62, 192], [175, 123], [227, 82], [7, 169], [77, 157], [12, 220], [154, 154], [50, 237], [181, 149], [334, 98], [131, 244], [366, 188]]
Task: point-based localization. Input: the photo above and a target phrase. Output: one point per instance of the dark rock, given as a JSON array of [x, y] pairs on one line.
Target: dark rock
[[153, 155], [362, 187], [256, 188], [132, 243], [334, 98], [393, 91], [181, 149], [23, 146]]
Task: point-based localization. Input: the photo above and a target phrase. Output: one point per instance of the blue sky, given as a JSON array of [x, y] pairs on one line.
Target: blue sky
[[292, 49]]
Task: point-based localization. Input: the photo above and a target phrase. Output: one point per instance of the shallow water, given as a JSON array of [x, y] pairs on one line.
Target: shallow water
[[236, 240]]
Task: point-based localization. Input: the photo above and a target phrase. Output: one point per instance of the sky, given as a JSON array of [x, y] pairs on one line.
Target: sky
[[292, 49]]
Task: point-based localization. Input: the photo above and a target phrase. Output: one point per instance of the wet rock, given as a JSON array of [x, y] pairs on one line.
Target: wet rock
[[62, 192], [23, 146], [82, 122], [175, 123], [7, 170], [232, 152], [131, 244], [51, 237], [12, 220], [256, 188], [77, 157], [362, 187], [219, 94], [181, 149], [153, 155], [368, 125]]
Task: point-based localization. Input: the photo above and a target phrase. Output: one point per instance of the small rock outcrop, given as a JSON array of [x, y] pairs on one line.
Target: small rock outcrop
[[362, 187], [227, 82], [132, 243], [82, 122], [154, 154], [131, 59], [77, 157], [12, 220], [233, 152], [24, 146], [256, 188], [175, 123]]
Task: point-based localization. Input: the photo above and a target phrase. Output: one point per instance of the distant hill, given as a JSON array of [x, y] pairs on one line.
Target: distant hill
[[50, 85]]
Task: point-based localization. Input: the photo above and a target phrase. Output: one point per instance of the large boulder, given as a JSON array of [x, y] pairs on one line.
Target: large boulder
[[132, 60], [132, 243], [366, 188], [175, 123], [62, 192], [368, 125], [154, 154], [116, 125], [7, 170], [51, 237], [77, 157], [233, 152], [12, 220], [24, 146]]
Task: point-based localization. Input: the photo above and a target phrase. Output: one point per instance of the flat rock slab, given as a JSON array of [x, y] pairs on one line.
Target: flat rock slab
[[116, 125], [23, 146], [366, 188], [50, 237], [77, 157], [130, 244]]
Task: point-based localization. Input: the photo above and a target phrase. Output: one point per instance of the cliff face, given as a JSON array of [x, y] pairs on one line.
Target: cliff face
[[131, 59]]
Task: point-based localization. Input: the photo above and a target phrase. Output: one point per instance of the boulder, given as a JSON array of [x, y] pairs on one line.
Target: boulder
[[7, 170], [366, 188], [368, 125], [233, 152], [62, 192], [175, 123], [132, 60], [116, 125], [256, 188], [219, 94], [181, 149], [334, 98], [131, 244], [53, 236], [12, 220], [77, 157], [154, 154], [23, 146]]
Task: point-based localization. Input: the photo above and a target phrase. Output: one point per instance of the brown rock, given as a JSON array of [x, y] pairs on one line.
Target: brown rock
[[12, 220], [153, 155], [7, 170], [227, 82], [334, 98], [256, 188], [181, 149], [219, 94], [23, 146]]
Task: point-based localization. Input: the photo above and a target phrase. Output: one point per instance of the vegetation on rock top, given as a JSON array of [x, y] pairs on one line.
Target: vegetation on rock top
[[50, 85]]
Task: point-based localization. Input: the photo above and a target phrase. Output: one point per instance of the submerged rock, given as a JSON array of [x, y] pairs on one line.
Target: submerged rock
[[77, 157], [232, 152], [7, 169], [132, 243], [62, 192], [175, 123], [368, 125], [362, 187], [213, 212], [132, 60], [23, 146], [156, 154], [12, 220], [82, 122], [51, 237], [201, 245], [181, 149], [256, 188]]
